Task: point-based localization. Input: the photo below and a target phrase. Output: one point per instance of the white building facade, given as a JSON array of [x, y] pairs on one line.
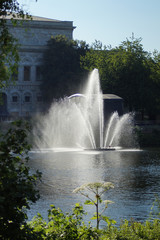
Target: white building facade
[[23, 97]]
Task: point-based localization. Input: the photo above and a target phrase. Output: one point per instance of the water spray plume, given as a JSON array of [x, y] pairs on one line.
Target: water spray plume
[[78, 122]]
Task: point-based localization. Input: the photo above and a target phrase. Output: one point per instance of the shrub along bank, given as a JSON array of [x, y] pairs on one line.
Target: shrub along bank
[[71, 227]]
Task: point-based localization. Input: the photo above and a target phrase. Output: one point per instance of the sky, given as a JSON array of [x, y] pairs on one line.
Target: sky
[[108, 21]]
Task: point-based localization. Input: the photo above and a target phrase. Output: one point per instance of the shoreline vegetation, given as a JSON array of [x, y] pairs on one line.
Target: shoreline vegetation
[[70, 226]]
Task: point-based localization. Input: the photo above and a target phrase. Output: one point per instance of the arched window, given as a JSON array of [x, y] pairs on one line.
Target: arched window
[[27, 73], [15, 97], [27, 98]]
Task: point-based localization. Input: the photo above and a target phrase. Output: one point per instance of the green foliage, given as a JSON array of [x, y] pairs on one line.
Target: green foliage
[[9, 54], [71, 227], [134, 231], [61, 70], [96, 58], [153, 104], [128, 71], [62, 226], [97, 188], [17, 184], [8, 44]]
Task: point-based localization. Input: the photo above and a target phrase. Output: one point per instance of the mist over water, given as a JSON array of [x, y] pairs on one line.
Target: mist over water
[[78, 121]]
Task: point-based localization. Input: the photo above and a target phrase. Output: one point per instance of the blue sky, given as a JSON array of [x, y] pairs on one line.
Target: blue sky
[[109, 21]]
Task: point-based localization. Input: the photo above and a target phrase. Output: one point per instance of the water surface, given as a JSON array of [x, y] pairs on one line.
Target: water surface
[[135, 174]]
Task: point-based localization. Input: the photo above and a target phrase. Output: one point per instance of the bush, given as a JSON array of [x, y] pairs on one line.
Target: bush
[[17, 185], [71, 227], [134, 231], [62, 226]]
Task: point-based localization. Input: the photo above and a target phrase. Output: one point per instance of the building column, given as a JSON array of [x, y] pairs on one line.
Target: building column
[[20, 73]]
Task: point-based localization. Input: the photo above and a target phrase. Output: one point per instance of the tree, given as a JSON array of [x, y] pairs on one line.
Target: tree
[[8, 44], [127, 71], [96, 58], [17, 184], [128, 64], [153, 103], [61, 70]]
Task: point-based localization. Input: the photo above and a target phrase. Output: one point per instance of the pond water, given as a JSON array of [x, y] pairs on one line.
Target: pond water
[[134, 173]]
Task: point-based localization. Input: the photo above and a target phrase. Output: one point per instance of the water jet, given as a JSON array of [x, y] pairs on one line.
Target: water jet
[[79, 121]]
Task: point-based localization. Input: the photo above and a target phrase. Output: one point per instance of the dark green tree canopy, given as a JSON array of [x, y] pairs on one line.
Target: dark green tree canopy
[[61, 70], [17, 183], [129, 72]]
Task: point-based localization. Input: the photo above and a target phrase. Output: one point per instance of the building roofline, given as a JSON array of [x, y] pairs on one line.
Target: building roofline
[[37, 20], [34, 18], [40, 22], [111, 96]]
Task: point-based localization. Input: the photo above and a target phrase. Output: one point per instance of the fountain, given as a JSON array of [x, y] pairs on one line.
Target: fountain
[[78, 122]]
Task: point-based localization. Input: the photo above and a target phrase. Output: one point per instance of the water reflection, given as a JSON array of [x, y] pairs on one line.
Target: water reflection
[[135, 175]]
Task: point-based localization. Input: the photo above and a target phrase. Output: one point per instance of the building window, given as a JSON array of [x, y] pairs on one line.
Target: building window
[[14, 98], [27, 73], [38, 73], [27, 98]]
